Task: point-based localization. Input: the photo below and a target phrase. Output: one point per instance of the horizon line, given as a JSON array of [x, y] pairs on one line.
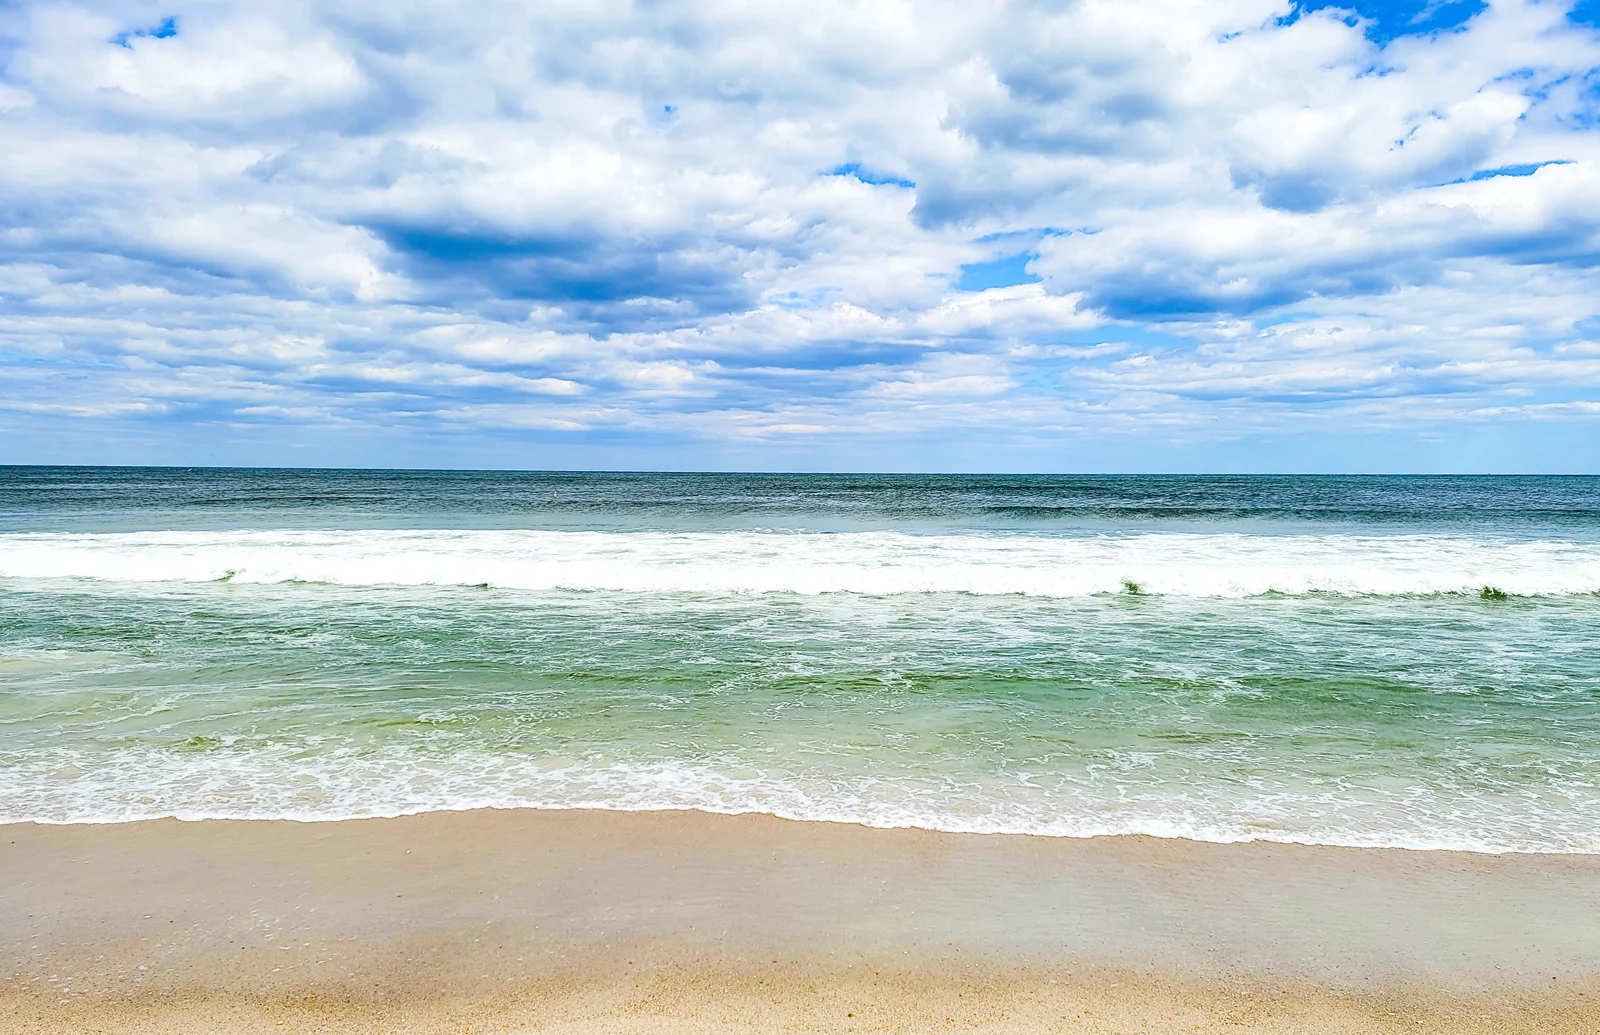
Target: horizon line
[[4, 466]]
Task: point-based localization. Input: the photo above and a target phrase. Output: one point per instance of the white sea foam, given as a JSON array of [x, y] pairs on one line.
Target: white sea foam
[[877, 563], [286, 783]]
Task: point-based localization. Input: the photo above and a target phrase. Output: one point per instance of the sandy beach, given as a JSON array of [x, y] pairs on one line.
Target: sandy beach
[[684, 922]]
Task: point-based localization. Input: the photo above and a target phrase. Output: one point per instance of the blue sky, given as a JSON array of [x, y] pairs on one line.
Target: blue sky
[[979, 235]]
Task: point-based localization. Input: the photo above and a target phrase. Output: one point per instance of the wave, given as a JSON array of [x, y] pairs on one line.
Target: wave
[[873, 563], [287, 783]]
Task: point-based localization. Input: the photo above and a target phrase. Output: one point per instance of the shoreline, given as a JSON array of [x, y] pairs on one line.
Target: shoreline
[[762, 814], [589, 921]]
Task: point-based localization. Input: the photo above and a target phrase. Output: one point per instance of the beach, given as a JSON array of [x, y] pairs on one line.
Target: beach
[[369, 751], [590, 921], [770, 518]]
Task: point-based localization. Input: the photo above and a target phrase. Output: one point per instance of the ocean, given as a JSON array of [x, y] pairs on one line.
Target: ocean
[[1404, 662]]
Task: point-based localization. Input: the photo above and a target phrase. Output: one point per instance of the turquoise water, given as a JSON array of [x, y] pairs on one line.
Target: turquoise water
[[1380, 661]]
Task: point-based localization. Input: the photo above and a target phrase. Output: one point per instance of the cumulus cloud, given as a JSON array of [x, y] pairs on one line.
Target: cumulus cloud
[[636, 223]]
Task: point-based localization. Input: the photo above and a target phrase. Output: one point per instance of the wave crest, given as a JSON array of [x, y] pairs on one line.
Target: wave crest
[[871, 563]]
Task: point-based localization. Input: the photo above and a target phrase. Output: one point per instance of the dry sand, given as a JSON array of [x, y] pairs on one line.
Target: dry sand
[[680, 922]]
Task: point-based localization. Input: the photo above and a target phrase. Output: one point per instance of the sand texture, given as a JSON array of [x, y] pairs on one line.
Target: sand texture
[[681, 922]]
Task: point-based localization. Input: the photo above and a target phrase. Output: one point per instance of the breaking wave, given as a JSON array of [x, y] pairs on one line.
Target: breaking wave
[[872, 563]]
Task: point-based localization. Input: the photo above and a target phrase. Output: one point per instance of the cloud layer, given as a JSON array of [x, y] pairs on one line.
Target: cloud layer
[[721, 229]]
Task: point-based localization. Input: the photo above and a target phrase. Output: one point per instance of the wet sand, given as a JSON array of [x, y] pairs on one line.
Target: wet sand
[[681, 922]]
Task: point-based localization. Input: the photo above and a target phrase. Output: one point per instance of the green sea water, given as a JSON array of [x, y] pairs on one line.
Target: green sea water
[[1398, 662]]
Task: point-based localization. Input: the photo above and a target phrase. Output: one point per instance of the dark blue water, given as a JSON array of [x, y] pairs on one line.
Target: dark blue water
[[107, 499]]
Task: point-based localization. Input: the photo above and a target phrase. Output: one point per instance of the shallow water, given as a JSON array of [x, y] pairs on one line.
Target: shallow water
[[1293, 659]]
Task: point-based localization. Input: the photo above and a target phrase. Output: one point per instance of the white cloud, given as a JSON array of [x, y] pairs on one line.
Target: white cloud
[[710, 220]]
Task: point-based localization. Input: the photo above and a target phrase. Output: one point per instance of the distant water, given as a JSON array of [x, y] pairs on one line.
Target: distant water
[[1408, 662]]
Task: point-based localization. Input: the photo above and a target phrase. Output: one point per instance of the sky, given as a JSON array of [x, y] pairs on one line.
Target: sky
[[1107, 235]]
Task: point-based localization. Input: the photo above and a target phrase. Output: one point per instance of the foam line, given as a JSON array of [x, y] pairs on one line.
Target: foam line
[[875, 563], [140, 784]]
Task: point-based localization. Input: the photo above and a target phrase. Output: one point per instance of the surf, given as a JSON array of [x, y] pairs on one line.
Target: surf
[[876, 563]]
